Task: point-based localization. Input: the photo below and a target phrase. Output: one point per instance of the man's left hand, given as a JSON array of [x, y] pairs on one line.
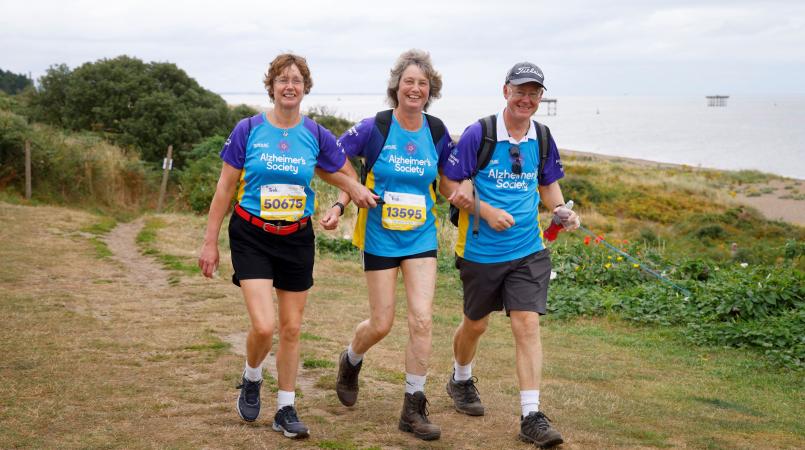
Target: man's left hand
[[569, 219]]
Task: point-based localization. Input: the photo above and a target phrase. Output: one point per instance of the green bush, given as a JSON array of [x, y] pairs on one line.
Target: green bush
[[199, 178], [710, 232], [328, 119], [747, 306], [146, 106], [583, 192], [74, 168], [13, 83], [335, 246]]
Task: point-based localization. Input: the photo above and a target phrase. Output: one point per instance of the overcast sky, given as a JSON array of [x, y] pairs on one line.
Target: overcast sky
[[585, 47]]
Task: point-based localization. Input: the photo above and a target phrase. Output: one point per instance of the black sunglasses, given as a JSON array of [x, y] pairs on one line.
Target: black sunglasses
[[514, 155]]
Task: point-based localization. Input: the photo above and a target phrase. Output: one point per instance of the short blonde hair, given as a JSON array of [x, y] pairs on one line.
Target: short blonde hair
[[282, 62], [421, 59]]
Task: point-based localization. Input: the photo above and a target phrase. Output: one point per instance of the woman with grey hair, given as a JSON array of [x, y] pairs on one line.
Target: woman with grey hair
[[403, 151]]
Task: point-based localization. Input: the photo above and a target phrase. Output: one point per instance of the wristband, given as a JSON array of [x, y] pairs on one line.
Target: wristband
[[340, 206]]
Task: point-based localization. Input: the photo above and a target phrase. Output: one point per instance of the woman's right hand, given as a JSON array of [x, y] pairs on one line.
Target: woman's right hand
[[463, 196], [362, 196], [208, 260]]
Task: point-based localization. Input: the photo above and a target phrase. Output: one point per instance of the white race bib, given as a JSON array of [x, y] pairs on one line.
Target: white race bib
[[282, 202], [403, 211]]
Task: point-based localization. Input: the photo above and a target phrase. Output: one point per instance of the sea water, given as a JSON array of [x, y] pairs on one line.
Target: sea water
[[765, 133]]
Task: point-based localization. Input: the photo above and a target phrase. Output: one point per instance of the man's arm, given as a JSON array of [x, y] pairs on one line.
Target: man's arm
[[461, 196]]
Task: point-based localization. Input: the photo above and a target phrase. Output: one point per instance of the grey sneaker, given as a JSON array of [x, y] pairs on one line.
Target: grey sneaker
[[249, 399], [465, 396], [289, 424], [536, 429], [346, 386]]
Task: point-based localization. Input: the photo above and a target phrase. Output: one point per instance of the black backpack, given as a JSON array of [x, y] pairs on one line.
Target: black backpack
[[380, 133], [485, 149]]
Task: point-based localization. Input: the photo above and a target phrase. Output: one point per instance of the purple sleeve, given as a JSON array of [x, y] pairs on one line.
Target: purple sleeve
[[553, 169], [464, 156], [234, 150], [353, 141], [445, 148], [331, 157]]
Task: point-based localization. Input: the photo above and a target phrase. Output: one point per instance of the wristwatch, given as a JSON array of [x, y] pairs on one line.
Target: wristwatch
[[340, 206]]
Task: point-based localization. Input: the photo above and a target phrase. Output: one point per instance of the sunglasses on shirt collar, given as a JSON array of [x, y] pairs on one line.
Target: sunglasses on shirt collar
[[514, 156]]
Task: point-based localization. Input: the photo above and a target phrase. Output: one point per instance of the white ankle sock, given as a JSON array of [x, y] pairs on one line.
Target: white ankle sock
[[285, 398], [354, 358], [529, 401], [414, 383], [462, 373], [253, 373]]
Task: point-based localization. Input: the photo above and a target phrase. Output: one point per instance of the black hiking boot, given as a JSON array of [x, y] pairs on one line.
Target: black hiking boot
[[346, 386], [535, 428], [414, 417], [289, 424], [465, 396], [249, 399]]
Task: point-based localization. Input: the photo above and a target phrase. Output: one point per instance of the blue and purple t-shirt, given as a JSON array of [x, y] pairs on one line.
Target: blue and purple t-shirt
[[403, 177], [498, 186], [278, 164]]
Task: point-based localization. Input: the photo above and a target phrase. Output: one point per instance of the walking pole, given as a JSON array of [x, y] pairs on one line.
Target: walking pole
[[556, 227]]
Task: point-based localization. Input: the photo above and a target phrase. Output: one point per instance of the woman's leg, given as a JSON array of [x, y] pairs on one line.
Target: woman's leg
[[260, 305], [381, 285], [419, 276], [291, 308]]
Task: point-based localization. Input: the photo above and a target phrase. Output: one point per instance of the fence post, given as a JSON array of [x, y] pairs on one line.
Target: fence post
[[167, 165], [27, 169]]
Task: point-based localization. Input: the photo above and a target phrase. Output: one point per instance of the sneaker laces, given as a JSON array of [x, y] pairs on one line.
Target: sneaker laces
[[536, 422], [251, 389], [288, 413]]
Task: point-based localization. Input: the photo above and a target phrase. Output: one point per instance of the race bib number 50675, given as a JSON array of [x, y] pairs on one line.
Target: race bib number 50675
[[282, 202]]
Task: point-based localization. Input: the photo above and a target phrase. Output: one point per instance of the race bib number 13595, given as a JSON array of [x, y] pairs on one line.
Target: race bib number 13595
[[403, 211]]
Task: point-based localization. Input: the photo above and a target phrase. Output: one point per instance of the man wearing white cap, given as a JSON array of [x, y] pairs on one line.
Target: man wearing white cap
[[502, 259]]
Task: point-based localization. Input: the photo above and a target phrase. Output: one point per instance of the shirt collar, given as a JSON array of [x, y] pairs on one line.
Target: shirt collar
[[503, 134]]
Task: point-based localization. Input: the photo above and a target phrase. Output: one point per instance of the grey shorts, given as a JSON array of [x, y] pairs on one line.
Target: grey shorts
[[518, 285]]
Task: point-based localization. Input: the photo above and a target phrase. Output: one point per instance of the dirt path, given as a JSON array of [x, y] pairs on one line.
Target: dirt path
[[140, 270]]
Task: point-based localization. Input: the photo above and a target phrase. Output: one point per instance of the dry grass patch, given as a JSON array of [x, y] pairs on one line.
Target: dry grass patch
[[96, 357]]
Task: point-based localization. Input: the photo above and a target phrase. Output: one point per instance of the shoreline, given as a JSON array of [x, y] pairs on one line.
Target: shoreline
[[766, 198]]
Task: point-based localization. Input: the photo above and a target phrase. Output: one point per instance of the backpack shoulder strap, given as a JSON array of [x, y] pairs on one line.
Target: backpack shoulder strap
[[544, 132], [487, 146], [437, 128], [488, 142], [377, 140], [383, 122]]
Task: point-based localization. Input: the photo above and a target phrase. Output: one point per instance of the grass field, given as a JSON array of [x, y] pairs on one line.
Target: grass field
[[106, 347]]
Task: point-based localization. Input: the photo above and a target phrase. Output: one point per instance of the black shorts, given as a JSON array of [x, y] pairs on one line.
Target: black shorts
[[374, 262], [519, 285], [256, 254]]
